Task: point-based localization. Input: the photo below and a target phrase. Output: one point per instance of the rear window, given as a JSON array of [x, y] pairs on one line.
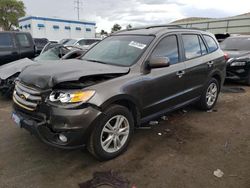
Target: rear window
[[5, 40], [212, 45], [191, 46], [236, 43], [23, 40]]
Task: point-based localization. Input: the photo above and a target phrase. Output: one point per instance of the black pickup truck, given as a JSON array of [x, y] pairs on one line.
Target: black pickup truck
[[15, 45]]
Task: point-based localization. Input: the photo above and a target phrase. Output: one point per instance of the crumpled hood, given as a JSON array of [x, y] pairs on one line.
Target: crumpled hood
[[14, 67], [46, 76]]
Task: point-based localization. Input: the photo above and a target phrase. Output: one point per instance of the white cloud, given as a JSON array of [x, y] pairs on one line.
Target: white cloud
[[137, 12]]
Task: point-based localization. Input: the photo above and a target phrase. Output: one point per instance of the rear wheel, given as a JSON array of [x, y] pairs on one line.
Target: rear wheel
[[112, 133], [210, 95], [248, 79]]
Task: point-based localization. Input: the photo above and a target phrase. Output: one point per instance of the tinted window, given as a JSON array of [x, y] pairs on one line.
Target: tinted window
[[23, 40], [5, 40], [168, 47], [191, 46], [119, 50], [212, 45], [236, 43], [87, 42], [203, 46]]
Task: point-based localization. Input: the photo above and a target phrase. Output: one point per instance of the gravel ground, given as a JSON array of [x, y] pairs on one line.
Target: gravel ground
[[181, 152]]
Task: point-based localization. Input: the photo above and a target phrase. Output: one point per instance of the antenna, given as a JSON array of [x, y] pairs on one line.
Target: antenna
[[78, 7]]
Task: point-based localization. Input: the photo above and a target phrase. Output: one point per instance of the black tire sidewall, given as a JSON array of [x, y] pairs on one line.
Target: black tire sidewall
[[100, 153], [203, 101]]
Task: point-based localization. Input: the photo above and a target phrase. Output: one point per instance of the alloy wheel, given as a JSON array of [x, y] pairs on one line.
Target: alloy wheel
[[211, 94]]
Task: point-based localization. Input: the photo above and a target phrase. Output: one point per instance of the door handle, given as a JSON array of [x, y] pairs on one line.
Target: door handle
[[180, 73], [210, 63]]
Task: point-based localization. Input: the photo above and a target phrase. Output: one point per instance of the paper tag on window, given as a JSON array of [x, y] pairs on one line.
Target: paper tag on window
[[137, 45]]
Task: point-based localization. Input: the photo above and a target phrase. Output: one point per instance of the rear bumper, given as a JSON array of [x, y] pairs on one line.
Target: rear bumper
[[75, 125]]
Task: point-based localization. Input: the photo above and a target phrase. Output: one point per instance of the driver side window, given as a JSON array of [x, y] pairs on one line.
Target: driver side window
[[168, 47]]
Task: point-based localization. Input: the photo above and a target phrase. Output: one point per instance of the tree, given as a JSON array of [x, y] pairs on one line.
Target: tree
[[10, 11], [129, 26], [104, 32], [115, 28]]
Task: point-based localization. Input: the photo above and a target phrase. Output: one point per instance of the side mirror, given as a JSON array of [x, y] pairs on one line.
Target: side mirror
[[159, 62]]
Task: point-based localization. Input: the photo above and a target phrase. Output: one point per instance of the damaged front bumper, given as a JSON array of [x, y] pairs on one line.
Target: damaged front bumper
[[67, 129]]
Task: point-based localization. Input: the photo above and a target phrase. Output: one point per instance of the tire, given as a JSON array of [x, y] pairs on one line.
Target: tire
[[248, 79], [205, 103], [104, 140]]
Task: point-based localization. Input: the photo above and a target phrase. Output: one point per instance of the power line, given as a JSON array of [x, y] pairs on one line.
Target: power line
[[78, 7]]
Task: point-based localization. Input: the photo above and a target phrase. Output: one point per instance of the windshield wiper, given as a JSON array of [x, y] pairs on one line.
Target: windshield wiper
[[96, 61]]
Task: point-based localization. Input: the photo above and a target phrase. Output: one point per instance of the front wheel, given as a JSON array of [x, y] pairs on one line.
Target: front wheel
[[210, 95], [112, 133]]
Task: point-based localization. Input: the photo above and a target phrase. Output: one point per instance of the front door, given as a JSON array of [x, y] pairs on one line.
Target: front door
[[164, 86]]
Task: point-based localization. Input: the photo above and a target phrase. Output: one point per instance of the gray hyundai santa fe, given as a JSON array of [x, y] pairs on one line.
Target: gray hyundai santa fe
[[123, 82]]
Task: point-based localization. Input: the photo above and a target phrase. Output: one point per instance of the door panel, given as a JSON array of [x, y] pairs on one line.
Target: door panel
[[163, 89], [26, 45]]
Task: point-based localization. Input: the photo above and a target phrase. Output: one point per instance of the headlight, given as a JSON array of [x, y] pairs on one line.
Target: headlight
[[71, 97], [238, 63]]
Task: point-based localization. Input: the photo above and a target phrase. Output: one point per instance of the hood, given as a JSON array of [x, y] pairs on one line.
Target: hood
[[46, 76], [14, 67], [237, 54]]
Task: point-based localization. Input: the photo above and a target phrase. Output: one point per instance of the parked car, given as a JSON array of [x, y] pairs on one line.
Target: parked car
[[83, 42], [10, 71], [15, 45], [238, 50], [40, 43], [124, 81]]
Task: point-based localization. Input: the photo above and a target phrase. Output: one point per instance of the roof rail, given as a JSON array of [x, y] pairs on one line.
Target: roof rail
[[168, 26]]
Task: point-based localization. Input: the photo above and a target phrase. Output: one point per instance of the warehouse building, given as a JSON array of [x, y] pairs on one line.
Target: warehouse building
[[233, 25], [57, 29]]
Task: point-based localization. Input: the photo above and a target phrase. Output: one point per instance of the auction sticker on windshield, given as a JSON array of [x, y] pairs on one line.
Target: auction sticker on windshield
[[137, 45]]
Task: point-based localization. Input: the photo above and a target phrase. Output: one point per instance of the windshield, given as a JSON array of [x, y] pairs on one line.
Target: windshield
[[70, 42], [53, 54], [119, 50], [236, 43]]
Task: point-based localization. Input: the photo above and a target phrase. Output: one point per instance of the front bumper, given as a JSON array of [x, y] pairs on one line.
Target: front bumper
[[237, 73], [75, 124]]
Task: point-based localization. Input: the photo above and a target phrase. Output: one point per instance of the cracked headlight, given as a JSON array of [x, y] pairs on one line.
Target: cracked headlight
[[238, 63], [71, 97]]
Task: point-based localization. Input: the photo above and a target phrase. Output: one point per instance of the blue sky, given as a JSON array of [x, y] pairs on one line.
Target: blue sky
[[136, 12]]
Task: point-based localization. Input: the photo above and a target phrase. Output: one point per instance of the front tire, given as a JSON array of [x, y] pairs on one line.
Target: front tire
[[210, 95], [112, 133]]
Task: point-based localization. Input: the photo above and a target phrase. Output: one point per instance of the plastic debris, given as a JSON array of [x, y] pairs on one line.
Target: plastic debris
[[210, 111], [153, 123], [164, 118], [167, 130], [160, 134], [218, 173]]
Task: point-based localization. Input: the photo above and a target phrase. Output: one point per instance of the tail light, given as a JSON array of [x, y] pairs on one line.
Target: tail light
[[226, 56]]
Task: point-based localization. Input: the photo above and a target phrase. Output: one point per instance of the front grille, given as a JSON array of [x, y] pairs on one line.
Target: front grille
[[26, 97]]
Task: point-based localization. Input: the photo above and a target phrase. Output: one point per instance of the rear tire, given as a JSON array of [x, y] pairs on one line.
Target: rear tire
[[112, 133], [248, 79], [209, 95]]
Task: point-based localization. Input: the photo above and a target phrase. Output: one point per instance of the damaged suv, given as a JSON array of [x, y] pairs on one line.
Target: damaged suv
[[121, 83]]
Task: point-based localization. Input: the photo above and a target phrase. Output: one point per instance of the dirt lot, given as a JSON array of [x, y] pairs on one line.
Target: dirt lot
[[191, 147]]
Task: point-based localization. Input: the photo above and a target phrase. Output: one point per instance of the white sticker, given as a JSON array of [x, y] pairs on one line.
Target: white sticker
[[137, 45]]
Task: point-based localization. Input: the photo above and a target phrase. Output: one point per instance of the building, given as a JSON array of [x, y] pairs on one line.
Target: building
[[57, 29], [233, 25]]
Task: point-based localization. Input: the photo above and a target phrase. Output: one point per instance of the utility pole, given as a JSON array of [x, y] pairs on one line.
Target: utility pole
[[78, 7]]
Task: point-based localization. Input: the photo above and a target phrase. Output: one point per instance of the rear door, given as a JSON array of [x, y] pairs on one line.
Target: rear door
[[8, 49], [26, 45], [197, 69], [164, 86]]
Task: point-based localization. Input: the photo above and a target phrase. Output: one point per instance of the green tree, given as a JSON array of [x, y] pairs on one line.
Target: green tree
[[129, 26], [115, 28], [103, 32], [10, 11]]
